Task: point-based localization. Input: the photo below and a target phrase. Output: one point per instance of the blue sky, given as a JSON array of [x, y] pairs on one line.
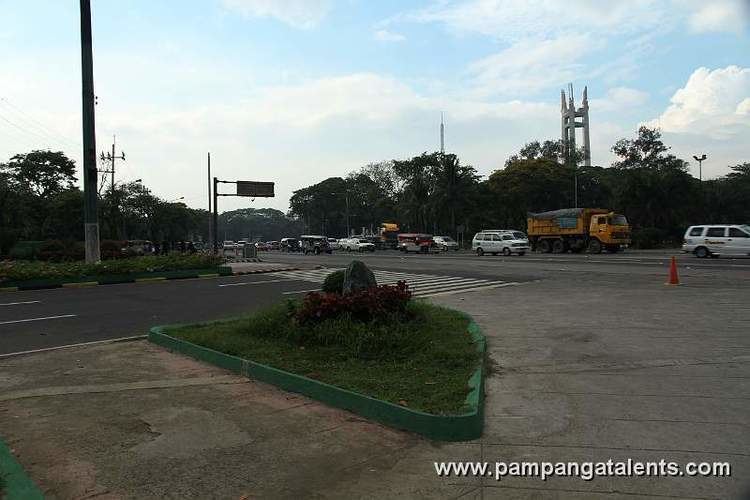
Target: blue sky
[[294, 91]]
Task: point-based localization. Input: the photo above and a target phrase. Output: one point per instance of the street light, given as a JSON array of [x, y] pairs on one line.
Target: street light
[[700, 159], [176, 199]]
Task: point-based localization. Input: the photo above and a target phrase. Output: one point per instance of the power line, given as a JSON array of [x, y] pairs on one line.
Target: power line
[[30, 120]]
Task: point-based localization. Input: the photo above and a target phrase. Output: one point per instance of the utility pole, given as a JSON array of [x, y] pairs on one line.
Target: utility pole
[[111, 157], [215, 241], [700, 159], [210, 215], [90, 220]]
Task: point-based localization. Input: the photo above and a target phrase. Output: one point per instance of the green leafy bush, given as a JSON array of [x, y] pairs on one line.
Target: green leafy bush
[[25, 250], [35, 270], [334, 282]]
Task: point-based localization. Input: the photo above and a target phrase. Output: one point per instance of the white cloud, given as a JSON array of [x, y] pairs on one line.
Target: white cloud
[[530, 65], [719, 15], [620, 99], [712, 103], [388, 36], [303, 14], [514, 20]]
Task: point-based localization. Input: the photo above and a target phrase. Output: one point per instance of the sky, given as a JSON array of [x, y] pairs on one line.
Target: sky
[[296, 91]]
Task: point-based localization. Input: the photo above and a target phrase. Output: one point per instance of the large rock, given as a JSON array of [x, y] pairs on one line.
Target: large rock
[[358, 277]]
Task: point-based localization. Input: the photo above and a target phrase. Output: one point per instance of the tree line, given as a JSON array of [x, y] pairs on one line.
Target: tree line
[[432, 192], [436, 193]]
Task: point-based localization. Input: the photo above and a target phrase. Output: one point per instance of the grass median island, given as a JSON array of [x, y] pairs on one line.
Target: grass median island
[[416, 354], [18, 271]]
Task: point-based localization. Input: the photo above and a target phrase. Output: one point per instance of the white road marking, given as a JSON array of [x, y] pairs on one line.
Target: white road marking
[[20, 303], [301, 291], [255, 282], [37, 319], [421, 285]]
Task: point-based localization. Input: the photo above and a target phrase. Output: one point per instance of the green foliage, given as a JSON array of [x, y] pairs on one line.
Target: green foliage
[[25, 250], [266, 224], [650, 237], [424, 362], [334, 282], [33, 270]]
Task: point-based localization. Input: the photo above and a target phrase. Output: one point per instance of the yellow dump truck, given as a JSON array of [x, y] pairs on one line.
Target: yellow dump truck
[[388, 233], [578, 229]]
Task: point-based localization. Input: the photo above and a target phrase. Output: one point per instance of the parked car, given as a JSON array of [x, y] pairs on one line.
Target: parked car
[[289, 245], [261, 246], [417, 242], [715, 240], [314, 243], [495, 241], [229, 245], [333, 243], [357, 244], [137, 248], [273, 245], [445, 243]]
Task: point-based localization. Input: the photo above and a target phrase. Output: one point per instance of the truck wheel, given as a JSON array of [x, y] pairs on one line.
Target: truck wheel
[[595, 246], [506, 251], [558, 246], [545, 246], [701, 252], [480, 252]]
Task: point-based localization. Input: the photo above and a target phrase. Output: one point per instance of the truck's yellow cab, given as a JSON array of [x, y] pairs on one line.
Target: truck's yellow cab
[[610, 229]]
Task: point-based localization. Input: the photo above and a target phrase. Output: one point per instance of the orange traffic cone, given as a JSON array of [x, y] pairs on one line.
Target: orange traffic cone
[[673, 278]]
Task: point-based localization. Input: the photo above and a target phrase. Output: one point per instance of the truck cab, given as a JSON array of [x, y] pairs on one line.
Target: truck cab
[[611, 230]]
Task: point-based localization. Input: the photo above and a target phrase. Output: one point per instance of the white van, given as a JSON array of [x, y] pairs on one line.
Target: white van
[[712, 240], [495, 241]]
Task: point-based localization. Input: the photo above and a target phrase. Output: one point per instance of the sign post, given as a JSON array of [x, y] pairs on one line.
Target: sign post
[[248, 189]]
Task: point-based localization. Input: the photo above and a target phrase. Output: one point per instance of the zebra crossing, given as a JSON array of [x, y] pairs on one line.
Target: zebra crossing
[[421, 285]]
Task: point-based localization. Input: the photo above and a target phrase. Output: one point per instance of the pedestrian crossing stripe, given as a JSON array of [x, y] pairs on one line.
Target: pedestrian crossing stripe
[[421, 285]]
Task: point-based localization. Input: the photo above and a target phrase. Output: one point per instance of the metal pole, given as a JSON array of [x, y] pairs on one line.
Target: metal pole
[[348, 229], [90, 220], [113, 163], [210, 215], [575, 196], [216, 218]]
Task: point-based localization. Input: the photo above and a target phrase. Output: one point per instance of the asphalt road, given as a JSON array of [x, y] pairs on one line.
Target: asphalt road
[[50, 318]]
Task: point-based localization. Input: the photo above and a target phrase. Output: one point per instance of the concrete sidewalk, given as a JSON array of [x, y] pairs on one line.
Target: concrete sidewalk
[[131, 420]]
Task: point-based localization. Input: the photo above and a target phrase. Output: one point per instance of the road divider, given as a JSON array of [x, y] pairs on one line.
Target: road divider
[[85, 281]]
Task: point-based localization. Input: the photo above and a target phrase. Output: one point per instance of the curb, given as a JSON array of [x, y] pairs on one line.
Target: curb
[[18, 485], [269, 270], [113, 279], [462, 427]]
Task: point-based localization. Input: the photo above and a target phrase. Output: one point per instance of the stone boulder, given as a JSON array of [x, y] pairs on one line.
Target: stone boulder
[[358, 277]]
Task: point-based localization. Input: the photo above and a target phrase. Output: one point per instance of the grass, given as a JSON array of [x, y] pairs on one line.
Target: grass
[[33, 270], [423, 362]]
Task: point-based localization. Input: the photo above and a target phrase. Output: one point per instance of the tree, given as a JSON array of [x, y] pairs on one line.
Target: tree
[[45, 172]]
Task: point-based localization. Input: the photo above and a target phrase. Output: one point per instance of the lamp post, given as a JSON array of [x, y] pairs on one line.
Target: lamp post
[[700, 159]]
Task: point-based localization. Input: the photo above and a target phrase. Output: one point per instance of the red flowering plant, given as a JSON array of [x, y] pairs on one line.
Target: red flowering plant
[[364, 305]]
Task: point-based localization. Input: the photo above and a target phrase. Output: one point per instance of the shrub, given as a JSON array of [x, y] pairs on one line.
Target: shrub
[[111, 249], [25, 250], [52, 250], [334, 282], [363, 305]]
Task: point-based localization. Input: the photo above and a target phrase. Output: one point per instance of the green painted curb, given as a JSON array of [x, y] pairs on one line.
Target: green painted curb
[[462, 427], [18, 486], [113, 279]]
